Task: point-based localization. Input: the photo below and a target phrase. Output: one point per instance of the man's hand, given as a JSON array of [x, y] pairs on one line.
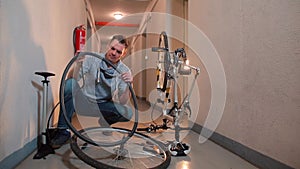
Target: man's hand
[[127, 77], [80, 60]]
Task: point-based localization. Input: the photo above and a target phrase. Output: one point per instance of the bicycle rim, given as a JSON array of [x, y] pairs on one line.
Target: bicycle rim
[[139, 152], [74, 130]]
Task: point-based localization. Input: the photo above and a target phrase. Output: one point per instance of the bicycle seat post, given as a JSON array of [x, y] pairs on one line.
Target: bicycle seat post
[[43, 149]]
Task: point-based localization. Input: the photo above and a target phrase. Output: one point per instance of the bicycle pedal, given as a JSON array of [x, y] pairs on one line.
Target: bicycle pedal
[[179, 149]]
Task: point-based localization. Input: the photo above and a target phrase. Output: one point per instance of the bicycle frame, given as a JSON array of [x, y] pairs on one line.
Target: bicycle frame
[[174, 64], [177, 110]]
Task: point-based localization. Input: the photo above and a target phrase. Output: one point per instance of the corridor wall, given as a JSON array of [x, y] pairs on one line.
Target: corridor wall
[[34, 36], [258, 45]]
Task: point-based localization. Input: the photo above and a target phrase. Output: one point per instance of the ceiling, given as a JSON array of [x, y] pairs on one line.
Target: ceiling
[[103, 11]]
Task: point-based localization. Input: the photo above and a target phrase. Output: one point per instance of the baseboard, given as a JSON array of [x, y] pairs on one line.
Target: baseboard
[[254, 157], [18, 156]]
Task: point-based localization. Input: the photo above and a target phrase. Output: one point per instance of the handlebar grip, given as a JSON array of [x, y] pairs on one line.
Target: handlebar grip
[[148, 129], [142, 129]]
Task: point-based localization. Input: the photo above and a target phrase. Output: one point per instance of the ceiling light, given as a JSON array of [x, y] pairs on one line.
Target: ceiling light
[[118, 16]]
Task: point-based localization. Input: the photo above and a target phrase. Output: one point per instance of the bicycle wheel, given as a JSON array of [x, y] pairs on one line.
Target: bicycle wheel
[[139, 152], [163, 57], [64, 78]]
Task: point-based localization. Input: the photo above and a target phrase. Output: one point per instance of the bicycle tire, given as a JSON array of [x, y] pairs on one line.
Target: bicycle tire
[[73, 129], [100, 160], [164, 44]]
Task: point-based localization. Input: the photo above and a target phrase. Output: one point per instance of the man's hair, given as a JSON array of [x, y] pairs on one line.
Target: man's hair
[[121, 39]]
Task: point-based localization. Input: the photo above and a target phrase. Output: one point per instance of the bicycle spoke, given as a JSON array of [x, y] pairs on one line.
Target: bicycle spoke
[[140, 151]]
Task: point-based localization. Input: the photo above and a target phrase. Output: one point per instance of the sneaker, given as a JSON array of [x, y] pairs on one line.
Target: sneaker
[[61, 137]]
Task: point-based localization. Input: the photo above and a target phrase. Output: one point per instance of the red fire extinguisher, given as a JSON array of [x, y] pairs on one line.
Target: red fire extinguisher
[[79, 39]]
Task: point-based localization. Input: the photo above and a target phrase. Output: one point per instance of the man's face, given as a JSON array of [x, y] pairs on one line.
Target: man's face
[[115, 51]]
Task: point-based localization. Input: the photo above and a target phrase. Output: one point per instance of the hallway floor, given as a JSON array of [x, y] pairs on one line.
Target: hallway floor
[[207, 156]]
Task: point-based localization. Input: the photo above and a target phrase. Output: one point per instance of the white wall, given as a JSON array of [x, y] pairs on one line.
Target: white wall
[[258, 44], [34, 36]]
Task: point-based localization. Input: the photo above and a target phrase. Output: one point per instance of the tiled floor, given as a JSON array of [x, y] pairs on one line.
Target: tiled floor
[[207, 156]]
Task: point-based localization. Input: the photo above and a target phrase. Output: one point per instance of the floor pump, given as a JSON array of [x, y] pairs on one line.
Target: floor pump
[[43, 141]]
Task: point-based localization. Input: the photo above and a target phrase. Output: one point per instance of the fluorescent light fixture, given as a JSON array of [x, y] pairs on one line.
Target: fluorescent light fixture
[[118, 16]]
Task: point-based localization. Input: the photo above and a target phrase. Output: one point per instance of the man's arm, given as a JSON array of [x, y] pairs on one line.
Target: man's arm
[[123, 98]]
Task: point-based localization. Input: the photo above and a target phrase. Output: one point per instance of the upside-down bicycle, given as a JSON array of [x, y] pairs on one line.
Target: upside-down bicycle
[[169, 66]]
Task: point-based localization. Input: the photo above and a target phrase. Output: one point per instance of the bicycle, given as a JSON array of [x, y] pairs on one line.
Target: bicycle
[[169, 66]]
